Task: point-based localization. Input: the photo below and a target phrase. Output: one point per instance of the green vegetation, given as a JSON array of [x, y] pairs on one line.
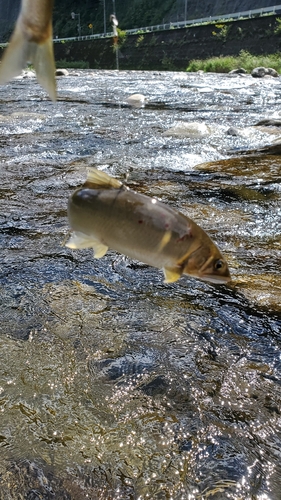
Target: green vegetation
[[277, 29], [222, 31], [244, 60], [63, 63], [167, 64], [139, 40], [240, 33], [122, 35]]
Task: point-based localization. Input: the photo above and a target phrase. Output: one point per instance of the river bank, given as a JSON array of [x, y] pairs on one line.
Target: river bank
[[174, 49]]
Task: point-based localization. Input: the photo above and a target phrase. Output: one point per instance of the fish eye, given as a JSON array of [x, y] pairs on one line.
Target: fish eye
[[219, 264]]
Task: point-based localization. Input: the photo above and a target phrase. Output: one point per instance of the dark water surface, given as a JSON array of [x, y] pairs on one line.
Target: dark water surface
[[114, 385]]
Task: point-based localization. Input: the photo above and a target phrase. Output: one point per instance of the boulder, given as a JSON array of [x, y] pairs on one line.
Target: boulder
[[136, 100], [272, 72], [260, 72]]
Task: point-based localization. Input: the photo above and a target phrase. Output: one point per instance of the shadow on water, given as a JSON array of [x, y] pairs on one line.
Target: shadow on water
[[113, 384]]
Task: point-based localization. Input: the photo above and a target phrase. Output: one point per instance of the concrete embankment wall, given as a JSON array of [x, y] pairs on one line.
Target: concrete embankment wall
[[173, 49]]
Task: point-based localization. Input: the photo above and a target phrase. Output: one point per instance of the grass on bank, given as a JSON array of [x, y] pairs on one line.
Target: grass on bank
[[62, 63], [224, 64]]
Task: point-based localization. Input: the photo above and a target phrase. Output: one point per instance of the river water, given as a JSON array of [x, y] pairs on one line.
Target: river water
[[113, 384]]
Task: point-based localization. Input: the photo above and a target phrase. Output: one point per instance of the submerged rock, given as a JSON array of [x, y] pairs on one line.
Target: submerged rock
[[189, 129], [268, 122]]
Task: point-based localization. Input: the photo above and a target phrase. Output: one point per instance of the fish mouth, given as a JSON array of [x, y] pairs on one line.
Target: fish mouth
[[213, 278], [216, 279]]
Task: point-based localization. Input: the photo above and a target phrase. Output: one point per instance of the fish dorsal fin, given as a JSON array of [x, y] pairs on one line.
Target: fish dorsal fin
[[97, 179]]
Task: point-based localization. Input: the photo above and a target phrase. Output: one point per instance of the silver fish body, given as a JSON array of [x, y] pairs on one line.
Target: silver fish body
[[32, 41], [112, 216]]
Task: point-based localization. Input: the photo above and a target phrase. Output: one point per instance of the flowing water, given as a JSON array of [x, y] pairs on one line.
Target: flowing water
[[113, 384]]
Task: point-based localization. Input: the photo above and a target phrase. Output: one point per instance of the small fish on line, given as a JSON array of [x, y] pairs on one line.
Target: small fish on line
[[104, 214], [32, 41]]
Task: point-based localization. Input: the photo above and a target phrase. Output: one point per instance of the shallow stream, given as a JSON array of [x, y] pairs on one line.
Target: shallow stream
[[114, 385]]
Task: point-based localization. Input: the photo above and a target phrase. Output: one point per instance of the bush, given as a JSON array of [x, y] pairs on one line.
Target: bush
[[244, 60]]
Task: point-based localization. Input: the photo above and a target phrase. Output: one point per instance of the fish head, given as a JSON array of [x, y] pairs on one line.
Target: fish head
[[208, 264], [79, 209]]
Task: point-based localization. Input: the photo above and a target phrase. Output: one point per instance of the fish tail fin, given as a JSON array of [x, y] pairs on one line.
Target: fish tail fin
[[44, 63], [20, 51], [97, 179]]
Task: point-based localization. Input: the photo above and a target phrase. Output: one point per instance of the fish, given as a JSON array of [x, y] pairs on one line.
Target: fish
[[105, 214], [32, 41]]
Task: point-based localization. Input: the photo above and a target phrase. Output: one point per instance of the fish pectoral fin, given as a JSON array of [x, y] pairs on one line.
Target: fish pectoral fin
[[44, 64], [99, 249], [172, 274], [81, 240], [97, 179]]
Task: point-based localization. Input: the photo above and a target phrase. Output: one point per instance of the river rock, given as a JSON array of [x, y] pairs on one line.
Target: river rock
[[189, 129], [25, 74], [238, 71], [136, 100], [272, 72], [28, 74], [61, 72], [260, 72], [268, 122], [232, 131]]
